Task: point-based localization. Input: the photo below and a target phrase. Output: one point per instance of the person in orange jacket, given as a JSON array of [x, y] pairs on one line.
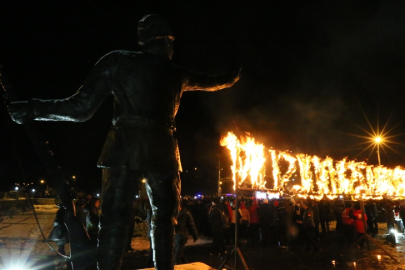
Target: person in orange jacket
[[360, 227], [348, 223]]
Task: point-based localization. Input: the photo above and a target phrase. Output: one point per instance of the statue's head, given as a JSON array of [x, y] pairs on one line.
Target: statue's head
[[155, 34]]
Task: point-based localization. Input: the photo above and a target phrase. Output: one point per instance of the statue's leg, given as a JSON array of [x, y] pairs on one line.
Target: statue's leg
[[164, 193], [119, 189]]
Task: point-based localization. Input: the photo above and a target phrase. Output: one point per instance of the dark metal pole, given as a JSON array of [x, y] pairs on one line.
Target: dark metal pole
[[236, 226], [219, 175]]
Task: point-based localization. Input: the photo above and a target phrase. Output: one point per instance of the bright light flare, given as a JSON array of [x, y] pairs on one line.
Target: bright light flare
[[19, 264], [19, 259], [377, 139]]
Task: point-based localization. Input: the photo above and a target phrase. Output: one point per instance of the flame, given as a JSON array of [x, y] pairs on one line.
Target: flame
[[319, 177], [248, 160]]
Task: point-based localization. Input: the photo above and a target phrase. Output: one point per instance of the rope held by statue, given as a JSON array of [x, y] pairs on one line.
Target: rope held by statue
[[81, 251]]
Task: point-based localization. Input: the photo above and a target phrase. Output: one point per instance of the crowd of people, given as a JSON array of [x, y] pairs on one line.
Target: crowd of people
[[286, 222], [87, 212], [280, 223]]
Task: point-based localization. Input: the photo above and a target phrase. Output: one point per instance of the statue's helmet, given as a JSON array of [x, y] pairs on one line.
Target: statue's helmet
[[152, 27]]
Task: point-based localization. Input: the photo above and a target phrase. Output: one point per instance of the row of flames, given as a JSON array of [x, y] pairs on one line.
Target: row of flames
[[319, 177]]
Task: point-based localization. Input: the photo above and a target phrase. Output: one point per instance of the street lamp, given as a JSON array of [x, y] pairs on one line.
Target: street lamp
[[377, 141], [219, 175]]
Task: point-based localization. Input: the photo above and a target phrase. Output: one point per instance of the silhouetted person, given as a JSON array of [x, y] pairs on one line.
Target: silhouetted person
[[372, 221], [308, 227], [265, 219], [185, 226], [218, 241], [324, 210]]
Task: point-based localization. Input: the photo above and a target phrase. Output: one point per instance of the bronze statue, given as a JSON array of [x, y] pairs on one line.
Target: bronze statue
[[147, 88]]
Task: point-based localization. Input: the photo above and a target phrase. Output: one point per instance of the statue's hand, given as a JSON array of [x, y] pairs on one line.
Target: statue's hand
[[20, 111]]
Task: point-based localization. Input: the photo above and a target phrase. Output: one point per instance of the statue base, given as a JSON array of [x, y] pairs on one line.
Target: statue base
[[189, 266]]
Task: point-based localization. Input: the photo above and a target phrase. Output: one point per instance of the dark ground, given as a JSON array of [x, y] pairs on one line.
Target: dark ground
[[20, 238], [334, 254]]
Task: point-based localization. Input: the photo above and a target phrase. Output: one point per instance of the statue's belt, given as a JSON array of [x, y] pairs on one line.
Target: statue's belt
[[145, 124]]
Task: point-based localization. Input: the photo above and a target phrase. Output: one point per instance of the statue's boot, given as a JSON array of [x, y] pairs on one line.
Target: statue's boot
[[111, 248], [164, 193], [117, 203]]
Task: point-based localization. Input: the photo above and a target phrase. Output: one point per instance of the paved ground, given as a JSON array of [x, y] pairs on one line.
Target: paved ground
[[21, 242]]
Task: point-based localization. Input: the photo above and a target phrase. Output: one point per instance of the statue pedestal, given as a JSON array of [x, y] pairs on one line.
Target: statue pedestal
[[189, 266]]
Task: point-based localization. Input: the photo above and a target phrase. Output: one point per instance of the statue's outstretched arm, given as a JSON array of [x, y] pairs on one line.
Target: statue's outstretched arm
[[77, 108], [194, 81]]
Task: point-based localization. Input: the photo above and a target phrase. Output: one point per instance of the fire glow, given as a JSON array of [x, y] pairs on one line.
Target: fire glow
[[319, 177]]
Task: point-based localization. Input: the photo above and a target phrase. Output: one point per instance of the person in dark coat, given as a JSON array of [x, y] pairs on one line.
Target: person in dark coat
[[215, 216], [59, 233], [324, 210], [147, 88], [275, 224], [185, 225], [298, 213], [285, 217], [338, 207], [308, 227], [265, 219], [389, 215], [372, 214], [316, 218]]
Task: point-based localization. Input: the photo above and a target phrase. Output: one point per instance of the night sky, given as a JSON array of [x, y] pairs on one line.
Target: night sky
[[313, 73]]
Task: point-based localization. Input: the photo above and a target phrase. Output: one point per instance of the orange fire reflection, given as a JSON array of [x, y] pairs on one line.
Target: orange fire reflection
[[318, 177]]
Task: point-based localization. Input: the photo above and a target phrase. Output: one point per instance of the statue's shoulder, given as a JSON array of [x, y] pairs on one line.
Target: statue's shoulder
[[118, 54]]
